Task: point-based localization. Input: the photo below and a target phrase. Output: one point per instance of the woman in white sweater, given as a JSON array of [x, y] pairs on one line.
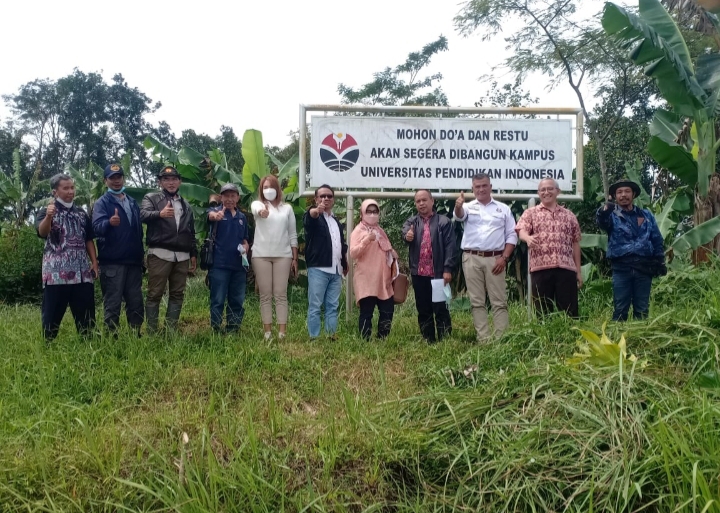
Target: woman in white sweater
[[274, 252]]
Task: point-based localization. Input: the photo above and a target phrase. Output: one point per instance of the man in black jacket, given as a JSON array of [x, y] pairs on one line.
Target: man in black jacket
[[431, 240], [172, 252], [326, 258], [117, 225]]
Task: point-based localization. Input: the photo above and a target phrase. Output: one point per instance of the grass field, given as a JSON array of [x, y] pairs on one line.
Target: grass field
[[201, 423]]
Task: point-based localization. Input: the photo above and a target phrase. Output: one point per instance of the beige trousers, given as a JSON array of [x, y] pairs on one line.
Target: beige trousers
[[480, 280], [272, 274]]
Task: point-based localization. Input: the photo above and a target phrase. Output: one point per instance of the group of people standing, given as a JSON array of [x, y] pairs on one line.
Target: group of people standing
[[552, 233]]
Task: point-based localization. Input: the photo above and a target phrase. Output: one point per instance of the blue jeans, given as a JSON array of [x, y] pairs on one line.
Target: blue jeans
[[630, 286], [323, 289], [227, 285]]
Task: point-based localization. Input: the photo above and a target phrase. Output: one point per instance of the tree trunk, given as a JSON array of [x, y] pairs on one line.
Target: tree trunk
[[706, 209]]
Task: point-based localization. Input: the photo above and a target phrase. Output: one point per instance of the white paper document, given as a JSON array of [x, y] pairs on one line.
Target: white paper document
[[440, 291]]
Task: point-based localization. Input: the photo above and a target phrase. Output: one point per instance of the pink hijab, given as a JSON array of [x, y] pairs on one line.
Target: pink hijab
[[383, 240]]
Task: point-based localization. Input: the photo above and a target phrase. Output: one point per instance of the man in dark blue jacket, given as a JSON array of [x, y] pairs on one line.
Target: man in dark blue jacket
[[117, 224], [326, 259], [228, 274], [635, 250]]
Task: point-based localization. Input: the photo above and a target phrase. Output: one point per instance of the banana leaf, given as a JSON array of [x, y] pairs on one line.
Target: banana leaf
[[161, 152], [653, 40], [189, 173], [696, 237], [138, 193], [254, 155], [708, 76], [594, 240], [190, 157], [675, 159], [194, 192], [665, 219]]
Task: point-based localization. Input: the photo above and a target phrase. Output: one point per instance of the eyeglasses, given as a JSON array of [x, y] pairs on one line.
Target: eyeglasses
[[325, 196], [371, 212], [547, 189]]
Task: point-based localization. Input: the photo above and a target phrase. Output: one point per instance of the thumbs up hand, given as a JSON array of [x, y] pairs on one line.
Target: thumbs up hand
[[115, 220], [168, 210], [460, 201], [51, 208], [410, 235]]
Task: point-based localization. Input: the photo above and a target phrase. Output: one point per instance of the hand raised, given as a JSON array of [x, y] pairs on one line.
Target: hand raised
[[115, 220], [460, 201], [410, 235], [51, 208], [168, 211], [321, 207], [264, 212]]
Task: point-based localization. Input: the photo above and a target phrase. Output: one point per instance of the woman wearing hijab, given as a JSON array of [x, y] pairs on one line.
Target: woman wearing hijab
[[375, 268], [274, 252]]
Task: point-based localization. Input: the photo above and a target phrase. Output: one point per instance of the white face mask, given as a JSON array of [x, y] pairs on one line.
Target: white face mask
[[64, 203], [371, 219], [270, 194]]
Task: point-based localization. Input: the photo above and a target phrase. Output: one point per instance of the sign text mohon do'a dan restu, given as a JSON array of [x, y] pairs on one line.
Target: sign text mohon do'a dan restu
[[433, 153]]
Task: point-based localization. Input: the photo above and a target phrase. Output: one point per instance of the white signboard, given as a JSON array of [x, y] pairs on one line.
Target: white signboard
[[432, 153]]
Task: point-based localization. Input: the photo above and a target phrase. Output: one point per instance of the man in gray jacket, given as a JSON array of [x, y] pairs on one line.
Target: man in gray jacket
[[172, 252], [431, 241]]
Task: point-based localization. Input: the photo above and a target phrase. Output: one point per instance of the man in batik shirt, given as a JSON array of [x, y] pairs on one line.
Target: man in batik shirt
[[552, 234], [69, 264], [431, 241]]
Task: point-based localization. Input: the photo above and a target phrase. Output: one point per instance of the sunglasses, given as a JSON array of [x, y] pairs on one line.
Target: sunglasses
[[325, 196]]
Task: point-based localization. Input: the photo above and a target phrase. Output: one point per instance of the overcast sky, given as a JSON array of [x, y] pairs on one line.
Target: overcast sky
[[246, 64]]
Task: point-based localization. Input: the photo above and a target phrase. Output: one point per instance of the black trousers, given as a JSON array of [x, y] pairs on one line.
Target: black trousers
[[555, 289], [386, 309], [120, 282], [430, 315], [56, 298]]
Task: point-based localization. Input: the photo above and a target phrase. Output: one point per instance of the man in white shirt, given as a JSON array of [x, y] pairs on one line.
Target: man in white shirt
[[487, 244]]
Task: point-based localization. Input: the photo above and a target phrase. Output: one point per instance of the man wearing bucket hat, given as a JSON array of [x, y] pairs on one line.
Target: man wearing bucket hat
[[116, 222], [172, 252], [635, 249]]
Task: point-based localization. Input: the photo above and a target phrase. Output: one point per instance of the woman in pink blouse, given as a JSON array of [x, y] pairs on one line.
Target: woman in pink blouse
[[375, 268]]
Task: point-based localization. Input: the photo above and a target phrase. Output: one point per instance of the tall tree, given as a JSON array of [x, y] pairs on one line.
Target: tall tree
[[403, 84], [567, 46]]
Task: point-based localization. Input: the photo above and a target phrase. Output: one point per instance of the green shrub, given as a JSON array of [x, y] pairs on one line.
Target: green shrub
[[21, 256]]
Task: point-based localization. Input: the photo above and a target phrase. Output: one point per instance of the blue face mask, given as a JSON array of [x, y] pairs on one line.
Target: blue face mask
[[117, 192]]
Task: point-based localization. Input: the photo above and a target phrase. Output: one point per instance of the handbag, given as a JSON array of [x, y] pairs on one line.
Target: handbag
[[401, 284], [207, 251]]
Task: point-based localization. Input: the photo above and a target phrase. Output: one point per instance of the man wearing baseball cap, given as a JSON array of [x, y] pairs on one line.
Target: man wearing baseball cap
[[117, 225], [635, 249], [172, 252], [228, 274]]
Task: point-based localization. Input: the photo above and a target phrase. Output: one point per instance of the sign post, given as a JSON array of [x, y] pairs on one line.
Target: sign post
[[440, 149]]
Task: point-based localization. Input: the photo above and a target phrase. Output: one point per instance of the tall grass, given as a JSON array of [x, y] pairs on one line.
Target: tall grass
[[199, 423]]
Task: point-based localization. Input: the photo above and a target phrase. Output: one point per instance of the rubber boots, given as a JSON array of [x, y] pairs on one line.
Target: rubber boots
[[172, 315], [152, 312]]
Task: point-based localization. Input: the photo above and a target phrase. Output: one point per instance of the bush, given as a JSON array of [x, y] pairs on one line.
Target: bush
[[21, 256]]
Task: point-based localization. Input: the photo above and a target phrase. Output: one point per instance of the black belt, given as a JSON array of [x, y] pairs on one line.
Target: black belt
[[483, 253]]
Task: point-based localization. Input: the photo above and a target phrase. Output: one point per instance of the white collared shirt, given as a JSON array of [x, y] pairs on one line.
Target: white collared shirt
[[487, 227], [336, 267]]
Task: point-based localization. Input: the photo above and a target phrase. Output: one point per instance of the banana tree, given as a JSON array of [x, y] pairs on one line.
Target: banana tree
[[682, 140], [13, 194]]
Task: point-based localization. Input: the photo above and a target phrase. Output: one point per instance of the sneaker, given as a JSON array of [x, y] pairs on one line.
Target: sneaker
[[281, 335], [268, 336]]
